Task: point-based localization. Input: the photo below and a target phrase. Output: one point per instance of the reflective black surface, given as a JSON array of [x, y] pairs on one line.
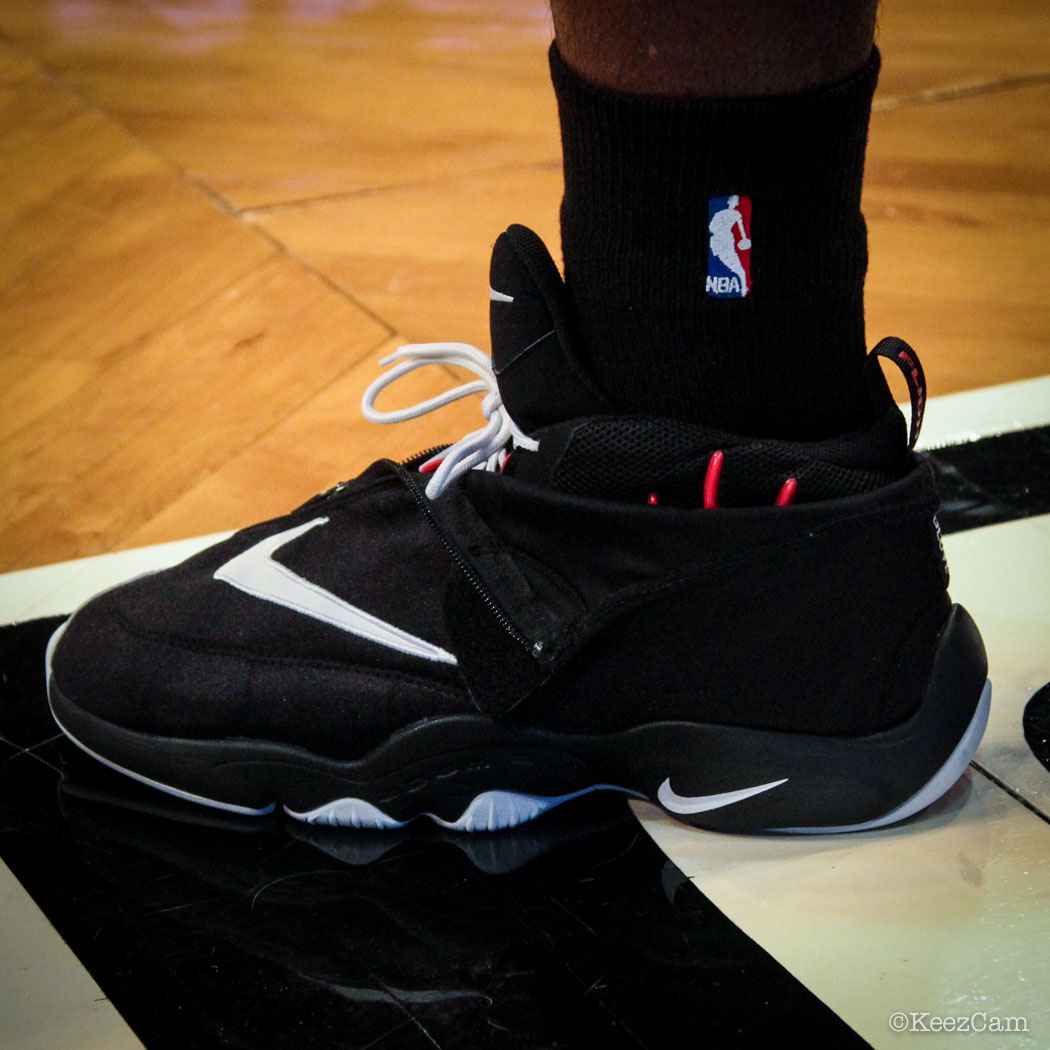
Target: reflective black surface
[[1037, 725], [212, 931], [994, 479]]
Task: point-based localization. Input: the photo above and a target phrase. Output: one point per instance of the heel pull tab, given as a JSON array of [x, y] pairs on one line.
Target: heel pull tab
[[541, 378], [907, 360]]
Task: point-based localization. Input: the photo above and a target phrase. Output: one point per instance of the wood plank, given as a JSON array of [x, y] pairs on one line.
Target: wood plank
[[48, 138], [957, 204], [30, 388], [116, 258], [419, 255], [324, 441], [16, 70], [266, 105], [96, 467], [929, 46]]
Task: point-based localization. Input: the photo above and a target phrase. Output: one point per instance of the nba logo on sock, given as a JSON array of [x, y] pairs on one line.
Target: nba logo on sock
[[729, 249]]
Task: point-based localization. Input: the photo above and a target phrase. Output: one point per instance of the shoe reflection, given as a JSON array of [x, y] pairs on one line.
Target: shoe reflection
[[571, 931]]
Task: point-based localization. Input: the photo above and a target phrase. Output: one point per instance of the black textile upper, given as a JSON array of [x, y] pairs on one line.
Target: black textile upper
[[568, 608]]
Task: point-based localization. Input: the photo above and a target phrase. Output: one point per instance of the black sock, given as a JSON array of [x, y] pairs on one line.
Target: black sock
[[663, 325]]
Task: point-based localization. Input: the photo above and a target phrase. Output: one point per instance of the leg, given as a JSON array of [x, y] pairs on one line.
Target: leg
[[711, 49]]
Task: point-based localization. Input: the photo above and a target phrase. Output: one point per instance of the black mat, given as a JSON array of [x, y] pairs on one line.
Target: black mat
[[1036, 724], [994, 479], [574, 931]]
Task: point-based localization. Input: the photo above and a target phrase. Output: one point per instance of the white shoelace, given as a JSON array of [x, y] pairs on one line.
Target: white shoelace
[[484, 449]]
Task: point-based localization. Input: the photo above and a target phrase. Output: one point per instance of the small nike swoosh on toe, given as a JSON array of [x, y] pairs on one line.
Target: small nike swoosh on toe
[[255, 572], [702, 803]]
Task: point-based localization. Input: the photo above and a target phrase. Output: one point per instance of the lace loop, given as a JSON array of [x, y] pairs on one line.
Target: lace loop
[[483, 449]]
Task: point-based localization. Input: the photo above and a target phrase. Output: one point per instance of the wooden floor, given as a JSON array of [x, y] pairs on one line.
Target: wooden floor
[[215, 219]]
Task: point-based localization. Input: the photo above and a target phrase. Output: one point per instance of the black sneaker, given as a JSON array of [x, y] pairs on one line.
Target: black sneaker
[[754, 634]]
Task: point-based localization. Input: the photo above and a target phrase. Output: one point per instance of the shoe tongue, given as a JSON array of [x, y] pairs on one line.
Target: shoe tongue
[[540, 378]]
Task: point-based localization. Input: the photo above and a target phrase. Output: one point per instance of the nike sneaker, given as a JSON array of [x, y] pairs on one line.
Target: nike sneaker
[[753, 634]]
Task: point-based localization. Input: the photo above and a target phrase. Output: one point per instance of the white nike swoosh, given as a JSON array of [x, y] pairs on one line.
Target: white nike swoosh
[[702, 803], [255, 572], [499, 297]]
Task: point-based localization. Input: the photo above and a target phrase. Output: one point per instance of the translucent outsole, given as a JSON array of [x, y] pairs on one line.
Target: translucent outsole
[[489, 811]]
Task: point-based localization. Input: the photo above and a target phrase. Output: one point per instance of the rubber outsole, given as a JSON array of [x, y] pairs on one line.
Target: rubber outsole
[[470, 773]]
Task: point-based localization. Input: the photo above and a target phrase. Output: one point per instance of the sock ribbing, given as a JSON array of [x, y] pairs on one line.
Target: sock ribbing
[[640, 177]]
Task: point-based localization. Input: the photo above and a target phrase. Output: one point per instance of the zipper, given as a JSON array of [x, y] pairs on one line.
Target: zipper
[[424, 455], [333, 489], [468, 570]]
